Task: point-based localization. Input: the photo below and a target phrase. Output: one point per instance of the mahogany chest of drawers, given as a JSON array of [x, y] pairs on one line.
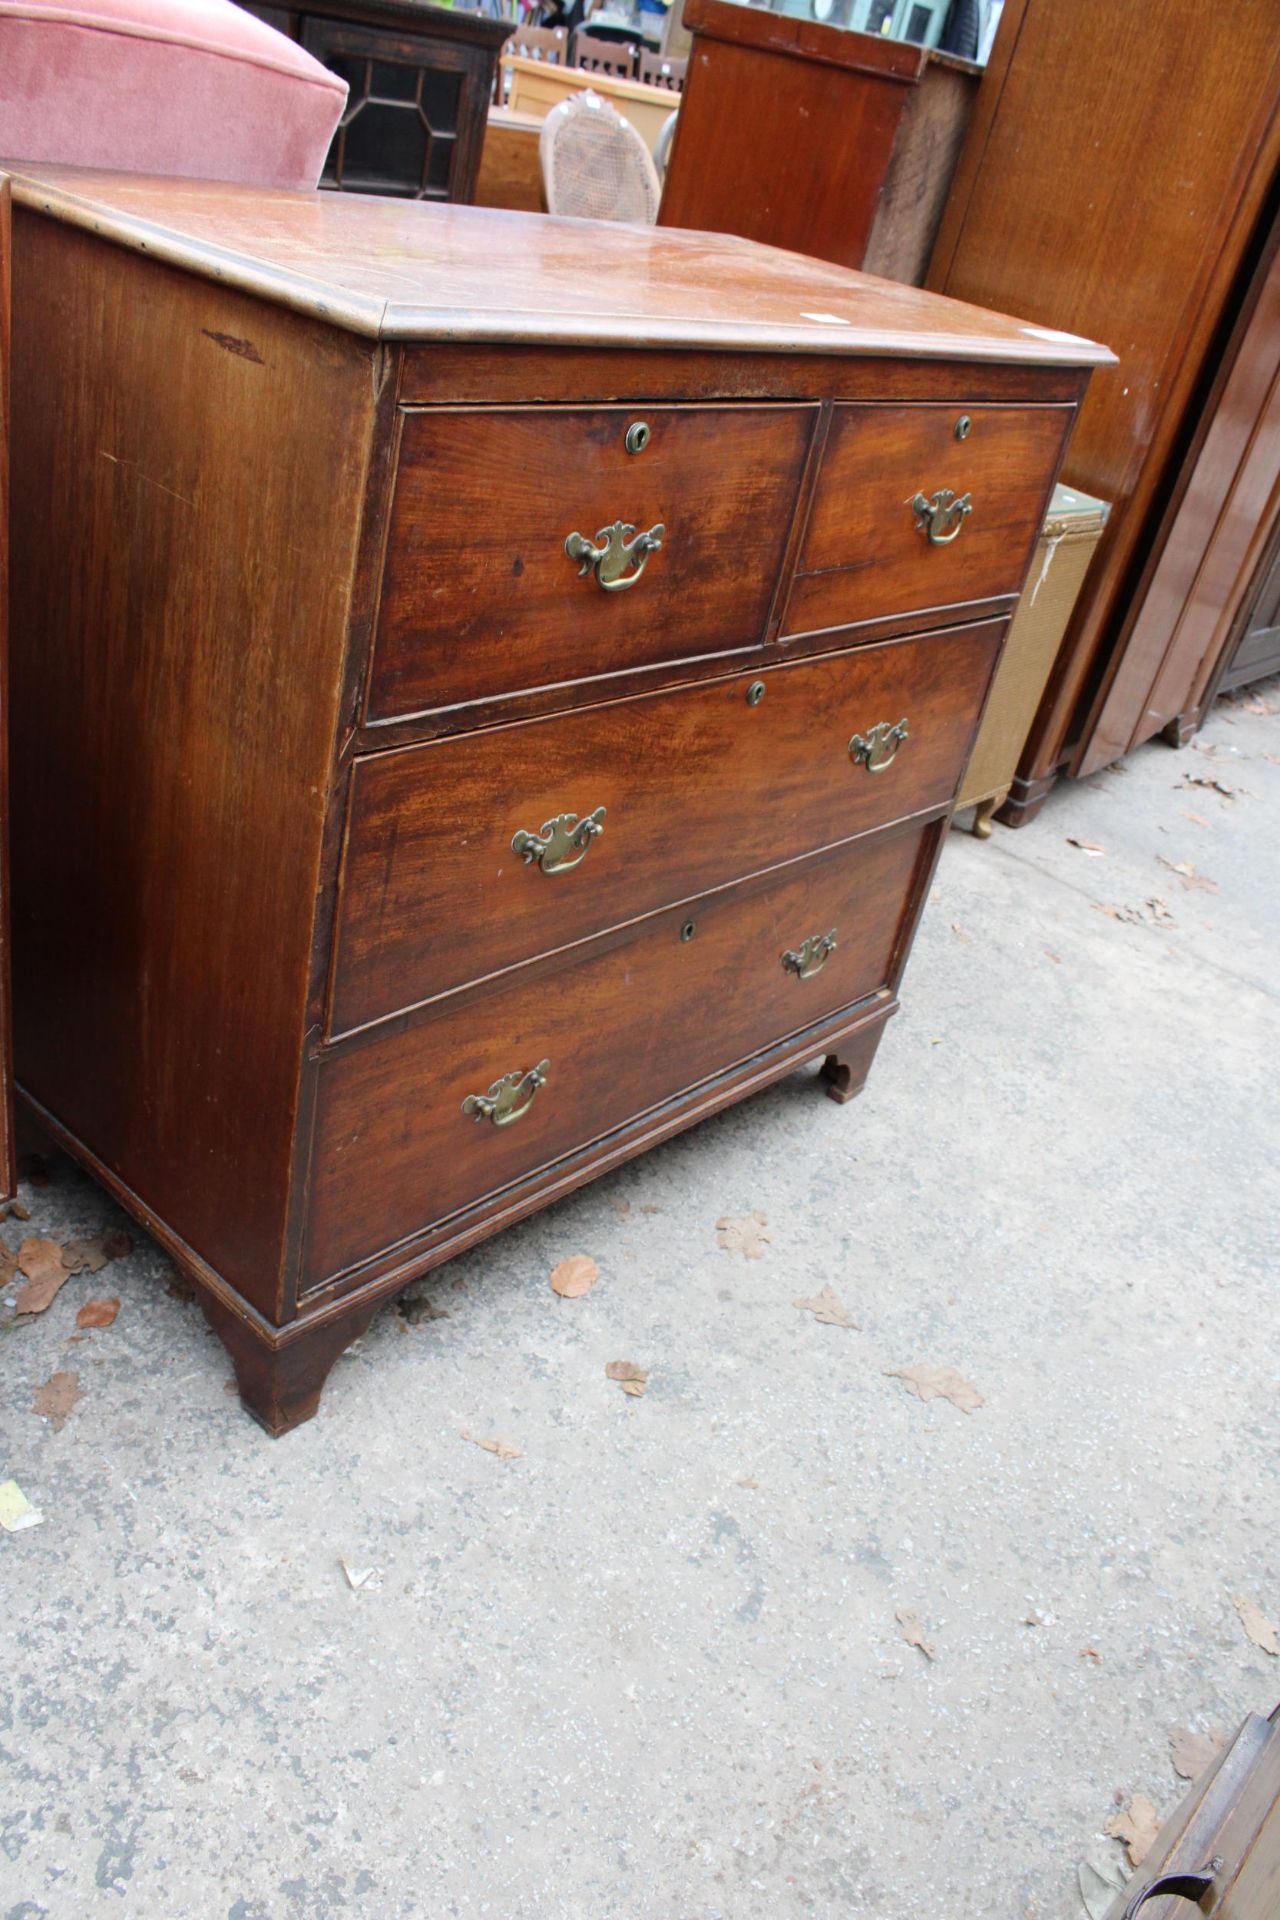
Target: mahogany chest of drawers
[[487, 692]]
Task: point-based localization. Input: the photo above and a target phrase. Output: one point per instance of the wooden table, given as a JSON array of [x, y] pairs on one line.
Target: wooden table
[[510, 166], [536, 87]]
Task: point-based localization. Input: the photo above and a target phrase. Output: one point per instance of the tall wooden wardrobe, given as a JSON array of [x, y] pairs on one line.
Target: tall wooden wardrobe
[[1120, 178]]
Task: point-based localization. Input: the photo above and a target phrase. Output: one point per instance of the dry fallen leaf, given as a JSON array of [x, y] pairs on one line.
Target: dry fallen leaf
[[938, 1383], [828, 1307], [83, 1256], [912, 1629], [1137, 1825], [574, 1276], [1196, 819], [16, 1211], [97, 1313], [503, 1448], [1256, 1624], [1188, 875], [358, 1577], [16, 1511], [1099, 1890], [41, 1262], [746, 1235], [1192, 1753], [1085, 846], [418, 1309], [1213, 786], [92, 1252], [960, 933], [631, 1378], [1056, 958], [57, 1397], [1259, 706]]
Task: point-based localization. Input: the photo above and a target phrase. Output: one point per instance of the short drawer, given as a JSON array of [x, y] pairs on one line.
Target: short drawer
[[622, 1025], [923, 507], [480, 596], [465, 856]]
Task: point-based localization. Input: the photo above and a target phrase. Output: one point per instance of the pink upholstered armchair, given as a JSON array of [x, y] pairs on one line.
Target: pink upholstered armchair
[[190, 87]]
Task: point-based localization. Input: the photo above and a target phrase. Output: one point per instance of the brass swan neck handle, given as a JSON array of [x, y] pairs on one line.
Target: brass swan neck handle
[[618, 556]]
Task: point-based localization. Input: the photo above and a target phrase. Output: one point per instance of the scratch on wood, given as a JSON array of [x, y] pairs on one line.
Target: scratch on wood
[[232, 343], [145, 477]]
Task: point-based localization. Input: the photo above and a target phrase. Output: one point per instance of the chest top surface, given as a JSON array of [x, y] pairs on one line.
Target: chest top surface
[[398, 270]]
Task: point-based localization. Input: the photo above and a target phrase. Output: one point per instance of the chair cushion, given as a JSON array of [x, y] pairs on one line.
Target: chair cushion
[[190, 87]]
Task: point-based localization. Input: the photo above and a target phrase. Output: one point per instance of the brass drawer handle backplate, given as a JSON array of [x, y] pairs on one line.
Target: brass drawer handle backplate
[[614, 550], [813, 955], [563, 843], [941, 518], [879, 748], [508, 1098]]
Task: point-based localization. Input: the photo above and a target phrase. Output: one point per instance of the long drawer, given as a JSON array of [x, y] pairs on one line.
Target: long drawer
[[402, 1135], [552, 830], [480, 595], [923, 507]]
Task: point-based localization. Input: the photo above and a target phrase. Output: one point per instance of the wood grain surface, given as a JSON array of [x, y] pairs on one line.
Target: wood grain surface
[[864, 553], [481, 598], [700, 788], [625, 1025], [8, 1152], [1129, 193], [399, 270], [182, 455], [786, 129]]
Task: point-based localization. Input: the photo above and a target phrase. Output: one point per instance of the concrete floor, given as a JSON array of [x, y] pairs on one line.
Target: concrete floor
[[652, 1667]]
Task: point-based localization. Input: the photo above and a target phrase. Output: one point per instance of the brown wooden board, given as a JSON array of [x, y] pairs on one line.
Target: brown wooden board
[[8, 1156], [700, 786], [1061, 208], [191, 451], [625, 1024], [481, 596], [867, 550]]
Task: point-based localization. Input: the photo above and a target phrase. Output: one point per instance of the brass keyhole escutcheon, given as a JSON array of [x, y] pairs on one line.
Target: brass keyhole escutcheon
[[636, 438], [755, 693], [964, 426], [688, 930]]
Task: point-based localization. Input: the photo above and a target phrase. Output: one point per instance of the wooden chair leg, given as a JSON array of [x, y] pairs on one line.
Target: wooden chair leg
[[281, 1380], [844, 1074]]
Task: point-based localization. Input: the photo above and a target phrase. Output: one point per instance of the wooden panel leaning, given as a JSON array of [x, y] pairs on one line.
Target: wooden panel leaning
[[333, 1024]]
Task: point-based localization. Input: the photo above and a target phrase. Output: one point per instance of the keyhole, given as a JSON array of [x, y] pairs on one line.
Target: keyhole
[[637, 436], [688, 930]]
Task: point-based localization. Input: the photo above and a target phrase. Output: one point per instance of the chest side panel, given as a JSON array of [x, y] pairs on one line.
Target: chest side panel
[[188, 466]]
